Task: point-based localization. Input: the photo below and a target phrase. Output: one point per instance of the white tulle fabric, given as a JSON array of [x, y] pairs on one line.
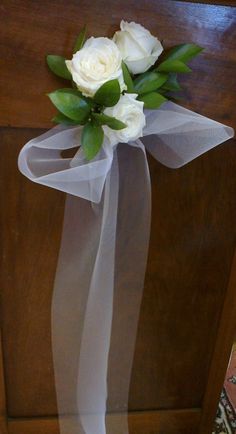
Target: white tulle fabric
[[103, 254]]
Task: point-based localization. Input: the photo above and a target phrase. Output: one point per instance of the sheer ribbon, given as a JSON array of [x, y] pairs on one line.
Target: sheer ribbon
[[101, 267]]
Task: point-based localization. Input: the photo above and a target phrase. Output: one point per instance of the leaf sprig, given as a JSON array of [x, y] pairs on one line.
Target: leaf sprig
[[153, 88]]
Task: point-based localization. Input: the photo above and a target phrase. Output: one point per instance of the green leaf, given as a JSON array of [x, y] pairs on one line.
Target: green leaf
[[152, 100], [108, 94], [172, 83], [80, 40], [149, 81], [58, 66], [111, 122], [173, 66], [127, 78], [62, 119], [70, 103], [183, 52], [92, 139]]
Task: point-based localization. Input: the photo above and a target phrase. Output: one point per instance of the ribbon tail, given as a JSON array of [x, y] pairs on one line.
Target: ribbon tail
[[94, 351], [82, 310], [132, 241], [77, 258], [97, 296]]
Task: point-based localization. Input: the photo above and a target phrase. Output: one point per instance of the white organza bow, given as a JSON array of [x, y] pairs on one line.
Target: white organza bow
[[103, 254]]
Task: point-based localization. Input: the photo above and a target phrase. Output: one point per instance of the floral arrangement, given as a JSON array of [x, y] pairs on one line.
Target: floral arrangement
[[113, 81]]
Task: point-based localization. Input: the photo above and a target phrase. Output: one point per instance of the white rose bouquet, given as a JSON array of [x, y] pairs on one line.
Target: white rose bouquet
[[113, 81]]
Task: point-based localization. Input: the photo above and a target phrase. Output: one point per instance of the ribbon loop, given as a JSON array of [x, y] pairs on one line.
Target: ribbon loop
[[175, 136], [41, 161]]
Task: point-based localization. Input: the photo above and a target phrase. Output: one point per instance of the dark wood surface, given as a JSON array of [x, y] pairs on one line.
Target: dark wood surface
[[193, 221], [31, 221], [168, 422]]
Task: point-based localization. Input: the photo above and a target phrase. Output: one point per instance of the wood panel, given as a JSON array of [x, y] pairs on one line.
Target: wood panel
[[31, 218], [191, 249], [152, 422], [28, 33]]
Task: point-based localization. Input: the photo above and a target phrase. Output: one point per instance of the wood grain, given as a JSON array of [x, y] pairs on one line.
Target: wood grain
[[186, 279], [31, 216], [28, 33], [152, 422]]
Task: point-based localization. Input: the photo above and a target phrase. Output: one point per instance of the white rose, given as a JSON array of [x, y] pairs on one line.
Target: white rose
[[96, 63], [130, 111], [139, 49]]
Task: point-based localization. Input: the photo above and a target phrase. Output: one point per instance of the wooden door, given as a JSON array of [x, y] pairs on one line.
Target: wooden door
[[188, 315]]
